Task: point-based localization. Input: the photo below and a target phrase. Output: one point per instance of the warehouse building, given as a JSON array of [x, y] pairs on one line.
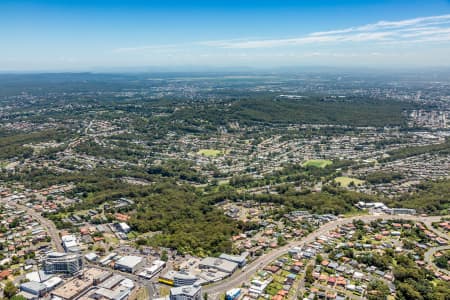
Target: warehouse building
[[218, 264], [34, 288], [128, 263], [241, 260]]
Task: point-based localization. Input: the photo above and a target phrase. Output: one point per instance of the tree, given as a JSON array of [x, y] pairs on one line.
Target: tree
[[407, 291], [319, 259], [164, 255], [442, 262], [10, 289], [308, 275], [377, 290], [281, 241]]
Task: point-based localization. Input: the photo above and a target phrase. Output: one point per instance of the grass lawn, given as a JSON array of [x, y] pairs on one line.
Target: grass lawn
[[345, 181], [278, 278], [223, 182], [318, 163], [110, 239], [133, 234], [273, 288], [210, 152]]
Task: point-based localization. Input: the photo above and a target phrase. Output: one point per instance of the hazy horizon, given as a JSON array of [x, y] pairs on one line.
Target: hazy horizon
[[51, 36]]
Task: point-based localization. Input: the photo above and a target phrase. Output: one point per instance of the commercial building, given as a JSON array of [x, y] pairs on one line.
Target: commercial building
[[52, 283], [183, 279], [401, 211], [80, 284], [191, 292], [70, 243], [107, 259], [116, 287], [218, 264], [167, 278], [241, 260], [128, 263], [34, 288], [371, 205], [66, 263], [103, 293], [91, 256], [381, 207], [156, 266], [38, 276]]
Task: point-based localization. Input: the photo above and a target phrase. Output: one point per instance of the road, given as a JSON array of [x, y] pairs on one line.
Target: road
[[434, 230], [429, 255], [49, 225], [301, 285], [241, 276], [148, 284]]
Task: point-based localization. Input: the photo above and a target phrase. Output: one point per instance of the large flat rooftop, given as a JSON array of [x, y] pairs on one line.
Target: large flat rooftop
[[74, 287]]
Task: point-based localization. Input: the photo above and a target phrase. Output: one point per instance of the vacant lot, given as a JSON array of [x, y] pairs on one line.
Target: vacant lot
[[345, 181]]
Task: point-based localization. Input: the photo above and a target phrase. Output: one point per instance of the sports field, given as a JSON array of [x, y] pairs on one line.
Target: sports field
[[210, 152], [318, 163]]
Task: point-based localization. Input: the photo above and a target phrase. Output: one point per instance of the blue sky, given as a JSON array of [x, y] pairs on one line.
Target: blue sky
[[95, 35]]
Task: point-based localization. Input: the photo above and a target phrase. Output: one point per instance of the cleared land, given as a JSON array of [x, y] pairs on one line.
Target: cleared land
[[318, 163], [210, 152], [345, 181]]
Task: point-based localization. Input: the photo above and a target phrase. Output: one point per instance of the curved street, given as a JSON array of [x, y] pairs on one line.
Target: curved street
[[50, 227], [245, 275], [428, 257]]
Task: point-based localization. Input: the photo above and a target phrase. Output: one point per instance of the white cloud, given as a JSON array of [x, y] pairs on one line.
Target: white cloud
[[418, 41], [383, 25], [433, 28]]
